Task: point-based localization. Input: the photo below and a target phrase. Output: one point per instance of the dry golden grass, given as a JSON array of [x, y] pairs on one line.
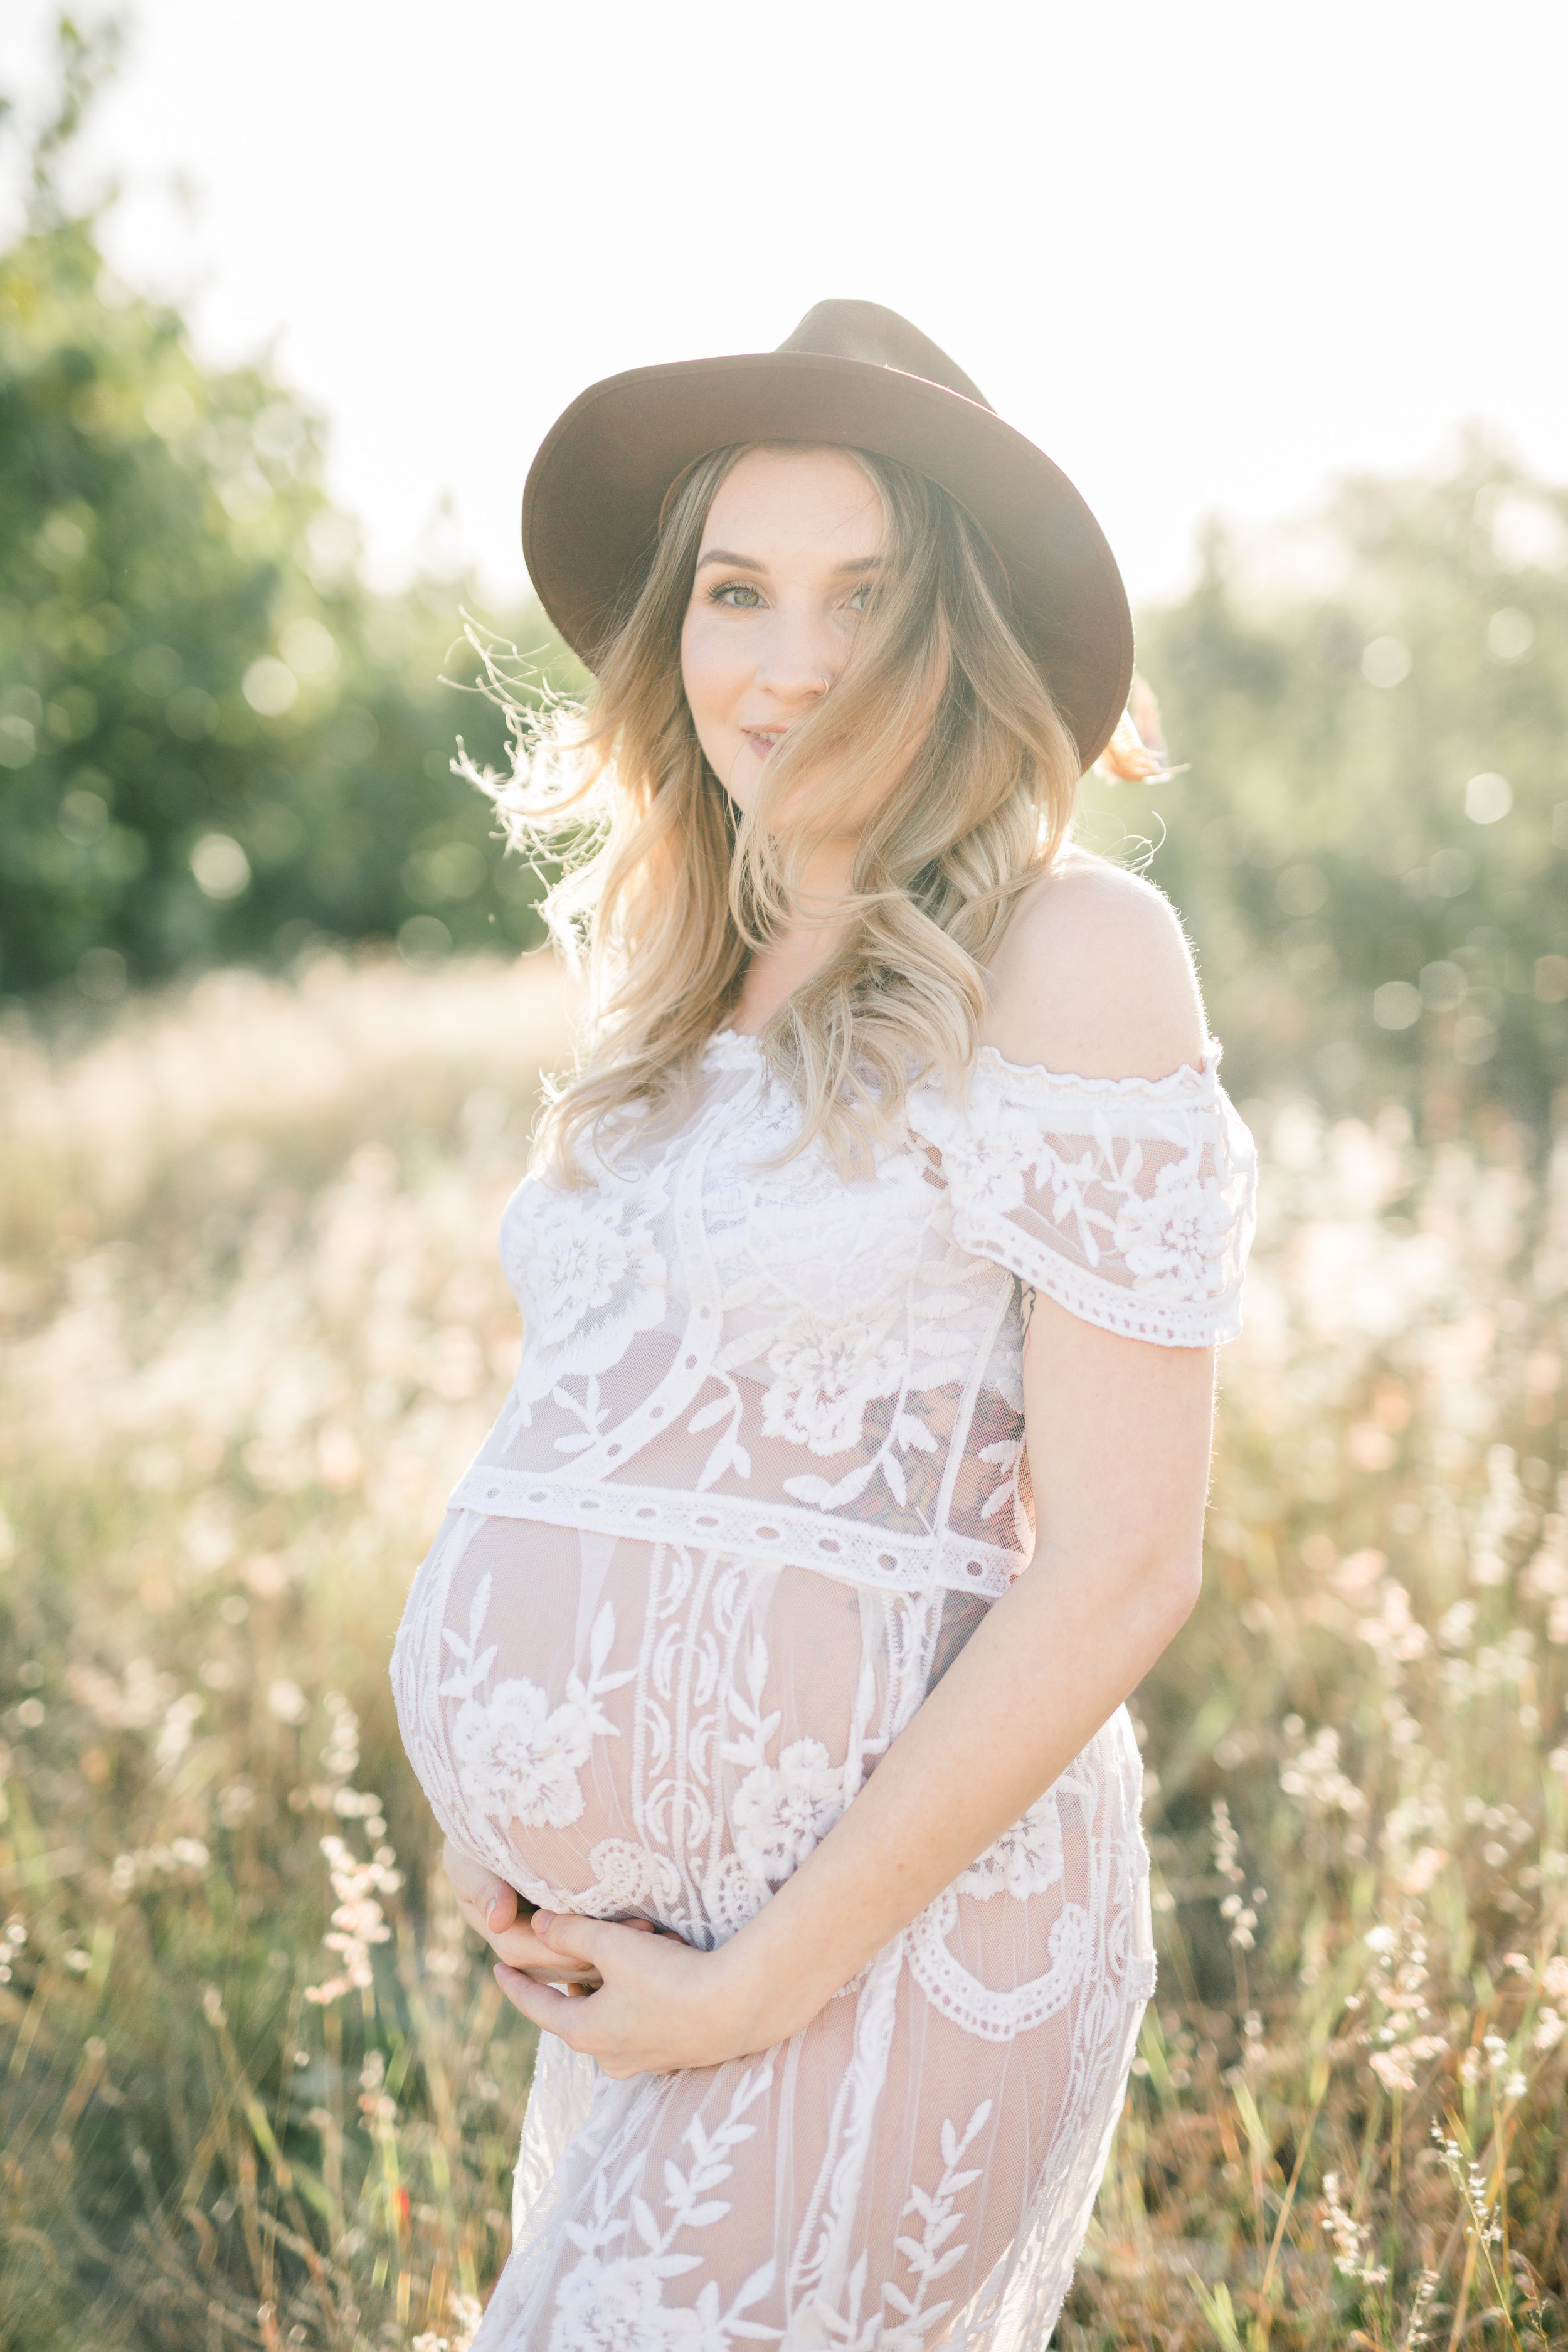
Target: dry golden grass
[[253, 1329]]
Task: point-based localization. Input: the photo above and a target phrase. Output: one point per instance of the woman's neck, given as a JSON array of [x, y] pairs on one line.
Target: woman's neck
[[774, 973]]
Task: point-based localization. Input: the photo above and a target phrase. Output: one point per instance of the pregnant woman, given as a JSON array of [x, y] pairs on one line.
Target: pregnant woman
[[871, 1267]]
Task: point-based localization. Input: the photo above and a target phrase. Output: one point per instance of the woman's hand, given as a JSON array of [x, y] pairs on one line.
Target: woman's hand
[[499, 1914], [659, 2005]]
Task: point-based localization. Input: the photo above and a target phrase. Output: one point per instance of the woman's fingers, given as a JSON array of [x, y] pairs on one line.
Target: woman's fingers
[[483, 1897], [520, 1948], [510, 1927], [576, 1939], [552, 2011]]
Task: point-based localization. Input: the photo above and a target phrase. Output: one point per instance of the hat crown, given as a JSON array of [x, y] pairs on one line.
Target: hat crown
[[879, 338]]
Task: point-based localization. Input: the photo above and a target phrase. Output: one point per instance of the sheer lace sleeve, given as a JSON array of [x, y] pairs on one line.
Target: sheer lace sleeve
[[1129, 1200]]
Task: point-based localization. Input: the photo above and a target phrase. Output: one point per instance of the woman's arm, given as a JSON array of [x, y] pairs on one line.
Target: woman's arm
[[1118, 1435], [1114, 1575]]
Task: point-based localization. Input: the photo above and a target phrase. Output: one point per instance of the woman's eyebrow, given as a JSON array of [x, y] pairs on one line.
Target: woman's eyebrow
[[750, 563]]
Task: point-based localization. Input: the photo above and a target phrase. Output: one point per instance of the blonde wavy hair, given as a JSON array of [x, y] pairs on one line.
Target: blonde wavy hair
[[940, 735]]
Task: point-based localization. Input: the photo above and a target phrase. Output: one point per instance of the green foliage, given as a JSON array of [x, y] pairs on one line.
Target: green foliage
[[214, 741], [1328, 843]]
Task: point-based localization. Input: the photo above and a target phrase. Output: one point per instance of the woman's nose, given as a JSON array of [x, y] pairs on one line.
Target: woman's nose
[[798, 658]]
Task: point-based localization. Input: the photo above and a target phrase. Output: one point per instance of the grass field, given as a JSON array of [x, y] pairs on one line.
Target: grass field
[[257, 2086]]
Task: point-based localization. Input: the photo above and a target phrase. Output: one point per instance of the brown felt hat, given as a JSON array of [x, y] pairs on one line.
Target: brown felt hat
[[856, 375]]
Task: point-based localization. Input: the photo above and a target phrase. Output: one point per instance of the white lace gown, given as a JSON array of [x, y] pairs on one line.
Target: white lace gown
[[761, 1475]]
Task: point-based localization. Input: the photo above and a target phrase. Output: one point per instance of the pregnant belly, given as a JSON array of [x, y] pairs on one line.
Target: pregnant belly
[[631, 1728]]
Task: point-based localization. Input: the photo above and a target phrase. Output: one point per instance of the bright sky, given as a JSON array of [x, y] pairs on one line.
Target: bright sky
[[1206, 254]]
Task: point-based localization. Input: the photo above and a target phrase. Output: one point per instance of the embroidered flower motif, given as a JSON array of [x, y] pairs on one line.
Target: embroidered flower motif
[[781, 1811], [828, 1370], [730, 1895], [618, 2306], [518, 1760], [1174, 1239], [1025, 1860], [587, 1273], [628, 1877], [994, 1159]]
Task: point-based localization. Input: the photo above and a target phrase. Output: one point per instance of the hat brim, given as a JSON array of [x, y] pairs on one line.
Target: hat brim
[[591, 507]]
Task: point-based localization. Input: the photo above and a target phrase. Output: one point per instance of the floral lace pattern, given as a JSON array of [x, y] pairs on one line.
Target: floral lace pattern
[[826, 1374], [1131, 1201], [518, 1758], [761, 1474]]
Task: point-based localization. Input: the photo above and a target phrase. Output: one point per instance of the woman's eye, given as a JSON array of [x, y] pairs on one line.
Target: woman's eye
[[739, 595]]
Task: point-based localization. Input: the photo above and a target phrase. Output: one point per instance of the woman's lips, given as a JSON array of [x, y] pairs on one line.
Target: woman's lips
[[762, 744]]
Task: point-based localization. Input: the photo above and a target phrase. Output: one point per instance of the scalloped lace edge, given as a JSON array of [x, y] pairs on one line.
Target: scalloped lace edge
[[1206, 1324], [991, 2015], [736, 1046]]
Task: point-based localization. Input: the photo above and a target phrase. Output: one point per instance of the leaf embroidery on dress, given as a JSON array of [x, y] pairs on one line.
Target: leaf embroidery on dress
[[615, 2302], [925, 2255]]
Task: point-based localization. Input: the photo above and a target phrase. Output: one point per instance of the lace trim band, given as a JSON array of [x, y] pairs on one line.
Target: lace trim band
[[794, 1539]]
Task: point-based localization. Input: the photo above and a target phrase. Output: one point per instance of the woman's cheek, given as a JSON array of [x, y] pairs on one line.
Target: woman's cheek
[[712, 692], [703, 670]]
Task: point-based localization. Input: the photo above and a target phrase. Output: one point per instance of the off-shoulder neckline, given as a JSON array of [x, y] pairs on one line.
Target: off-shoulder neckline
[[1203, 1073], [1185, 1073]]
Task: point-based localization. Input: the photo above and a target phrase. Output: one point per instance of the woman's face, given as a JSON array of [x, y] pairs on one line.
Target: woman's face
[[788, 555]]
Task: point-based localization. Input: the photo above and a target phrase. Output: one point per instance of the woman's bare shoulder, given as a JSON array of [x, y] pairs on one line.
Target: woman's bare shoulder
[[1094, 976]]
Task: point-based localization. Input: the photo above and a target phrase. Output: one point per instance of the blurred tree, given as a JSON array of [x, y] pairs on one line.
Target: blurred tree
[[214, 742], [1370, 842]]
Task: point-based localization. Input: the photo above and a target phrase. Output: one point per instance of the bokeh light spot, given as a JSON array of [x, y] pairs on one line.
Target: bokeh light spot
[[191, 714], [270, 687], [287, 1701], [309, 650], [424, 942], [60, 543], [1397, 1004], [1475, 1038], [1488, 798], [169, 411], [1449, 872], [1385, 662], [1443, 986], [1509, 635], [100, 975], [83, 818], [19, 739], [221, 867], [1552, 978], [453, 870], [156, 671]]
